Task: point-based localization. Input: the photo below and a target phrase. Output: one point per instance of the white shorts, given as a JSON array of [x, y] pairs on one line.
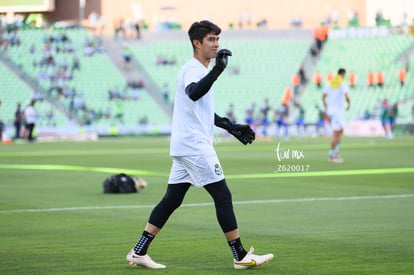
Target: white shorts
[[197, 170], [337, 121]]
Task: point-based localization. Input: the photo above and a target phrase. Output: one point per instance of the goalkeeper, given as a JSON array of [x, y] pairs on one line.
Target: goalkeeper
[[195, 162]]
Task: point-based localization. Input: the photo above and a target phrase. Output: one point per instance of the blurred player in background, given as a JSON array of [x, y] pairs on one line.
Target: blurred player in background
[[30, 118], [335, 93], [1, 126], [195, 162]]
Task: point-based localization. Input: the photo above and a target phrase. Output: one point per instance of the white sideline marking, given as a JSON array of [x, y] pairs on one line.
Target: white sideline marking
[[374, 197]]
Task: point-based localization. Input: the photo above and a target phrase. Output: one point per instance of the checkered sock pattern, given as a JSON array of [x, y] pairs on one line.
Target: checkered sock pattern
[[237, 249], [143, 243]]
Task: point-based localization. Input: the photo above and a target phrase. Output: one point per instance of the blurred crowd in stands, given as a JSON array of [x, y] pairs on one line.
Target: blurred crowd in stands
[[56, 64], [277, 120], [58, 61]]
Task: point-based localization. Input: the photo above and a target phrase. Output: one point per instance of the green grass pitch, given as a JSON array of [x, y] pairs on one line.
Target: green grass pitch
[[316, 217]]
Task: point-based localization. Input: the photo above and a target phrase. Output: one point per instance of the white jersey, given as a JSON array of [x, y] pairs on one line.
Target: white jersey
[[193, 121], [30, 114], [336, 98]]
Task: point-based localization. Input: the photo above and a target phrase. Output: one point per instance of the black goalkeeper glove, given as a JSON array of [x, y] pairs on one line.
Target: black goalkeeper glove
[[243, 133], [221, 62]]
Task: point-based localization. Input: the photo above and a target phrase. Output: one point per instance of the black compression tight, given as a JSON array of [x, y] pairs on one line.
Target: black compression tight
[[174, 197]]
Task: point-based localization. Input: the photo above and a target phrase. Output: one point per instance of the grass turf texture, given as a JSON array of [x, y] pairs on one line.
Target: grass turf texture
[[77, 229]]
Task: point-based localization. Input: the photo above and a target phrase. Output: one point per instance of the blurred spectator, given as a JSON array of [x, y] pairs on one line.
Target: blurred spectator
[[320, 123], [353, 19], [240, 22], [93, 21], [296, 22], [119, 28], [302, 75], [407, 64], [119, 112], [287, 96], [101, 24], [370, 79], [352, 79], [50, 118], [320, 35], [78, 102], [75, 63], [378, 18], [230, 113], [127, 56], [280, 119], [300, 120], [329, 77], [161, 60], [262, 23], [130, 27], [143, 121], [378, 109], [367, 115], [335, 17], [380, 79], [30, 118], [235, 70], [114, 93], [295, 80], [1, 126], [138, 84], [249, 19], [264, 110], [385, 111], [18, 120], [166, 92], [249, 118], [401, 76], [137, 30], [317, 79], [412, 113], [133, 94], [392, 118], [92, 46]]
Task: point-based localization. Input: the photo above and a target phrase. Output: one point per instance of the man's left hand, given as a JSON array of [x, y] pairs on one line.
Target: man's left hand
[[243, 133]]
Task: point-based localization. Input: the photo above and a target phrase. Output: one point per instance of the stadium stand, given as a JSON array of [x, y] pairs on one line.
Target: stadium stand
[[49, 56], [14, 90], [361, 55], [258, 69]]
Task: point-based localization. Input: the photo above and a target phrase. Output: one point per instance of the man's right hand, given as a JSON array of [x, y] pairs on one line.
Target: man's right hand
[[222, 58], [221, 62]]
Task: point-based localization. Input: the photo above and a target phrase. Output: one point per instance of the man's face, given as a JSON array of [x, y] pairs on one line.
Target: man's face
[[210, 46]]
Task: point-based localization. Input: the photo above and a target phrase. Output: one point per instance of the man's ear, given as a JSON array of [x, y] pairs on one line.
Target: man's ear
[[196, 44]]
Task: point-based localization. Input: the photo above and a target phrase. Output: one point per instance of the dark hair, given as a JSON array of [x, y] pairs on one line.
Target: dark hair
[[341, 71], [199, 30]]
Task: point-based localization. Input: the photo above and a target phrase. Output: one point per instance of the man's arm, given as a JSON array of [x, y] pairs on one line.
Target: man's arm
[[324, 101], [197, 90], [243, 133], [348, 101]]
